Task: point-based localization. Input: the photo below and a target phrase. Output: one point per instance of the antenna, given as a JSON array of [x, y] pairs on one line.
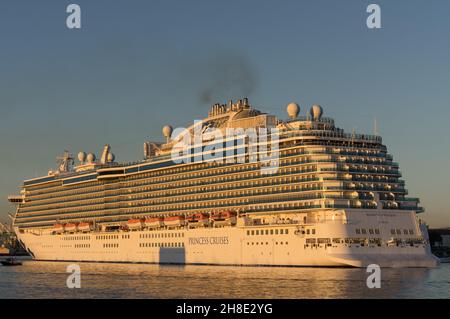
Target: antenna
[[375, 126], [65, 162], [146, 150], [353, 137]]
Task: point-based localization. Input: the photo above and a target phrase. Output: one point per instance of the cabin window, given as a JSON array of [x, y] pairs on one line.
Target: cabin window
[[411, 232], [399, 232], [363, 231], [392, 231], [358, 231]]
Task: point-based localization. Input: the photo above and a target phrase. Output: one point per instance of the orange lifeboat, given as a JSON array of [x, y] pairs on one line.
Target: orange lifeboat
[[174, 221], [154, 222], [70, 227], [197, 220], [84, 227], [58, 228], [224, 218], [134, 224]]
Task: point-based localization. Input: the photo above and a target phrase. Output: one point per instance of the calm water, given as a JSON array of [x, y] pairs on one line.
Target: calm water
[[48, 280]]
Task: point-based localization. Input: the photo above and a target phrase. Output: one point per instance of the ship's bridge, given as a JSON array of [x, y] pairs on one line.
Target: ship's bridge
[[16, 199], [307, 123]]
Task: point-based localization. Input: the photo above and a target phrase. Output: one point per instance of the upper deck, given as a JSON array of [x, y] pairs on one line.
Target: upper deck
[[317, 166]]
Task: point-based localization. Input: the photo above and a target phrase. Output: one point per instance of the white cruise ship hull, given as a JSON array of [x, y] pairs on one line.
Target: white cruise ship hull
[[227, 246]]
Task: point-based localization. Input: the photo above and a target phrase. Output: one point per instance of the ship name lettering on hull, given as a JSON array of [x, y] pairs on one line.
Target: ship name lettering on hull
[[209, 241]]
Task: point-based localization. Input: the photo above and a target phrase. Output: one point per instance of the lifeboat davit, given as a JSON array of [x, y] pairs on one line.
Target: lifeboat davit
[[84, 227], [58, 228], [197, 220], [134, 224], [174, 221], [70, 227], [154, 222], [224, 218]]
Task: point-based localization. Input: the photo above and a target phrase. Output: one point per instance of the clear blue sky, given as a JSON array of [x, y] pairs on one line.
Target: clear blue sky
[[137, 65]]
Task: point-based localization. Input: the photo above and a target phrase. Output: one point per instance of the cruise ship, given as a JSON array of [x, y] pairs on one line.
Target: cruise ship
[[240, 187]]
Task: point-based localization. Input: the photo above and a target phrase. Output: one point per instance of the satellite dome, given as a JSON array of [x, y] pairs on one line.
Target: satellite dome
[[167, 131], [82, 157], [293, 109], [111, 157], [90, 158], [316, 112]]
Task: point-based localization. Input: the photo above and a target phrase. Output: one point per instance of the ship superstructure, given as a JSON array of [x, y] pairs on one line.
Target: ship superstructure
[[274, 192]]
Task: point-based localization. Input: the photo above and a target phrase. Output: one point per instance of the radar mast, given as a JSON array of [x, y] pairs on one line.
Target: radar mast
[[65, 162]]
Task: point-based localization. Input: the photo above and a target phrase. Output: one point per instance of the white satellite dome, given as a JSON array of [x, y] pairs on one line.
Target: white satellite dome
[[316, 112], [90, 158], [111, 157], [292, 110], [82, 157], [167, 131]]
